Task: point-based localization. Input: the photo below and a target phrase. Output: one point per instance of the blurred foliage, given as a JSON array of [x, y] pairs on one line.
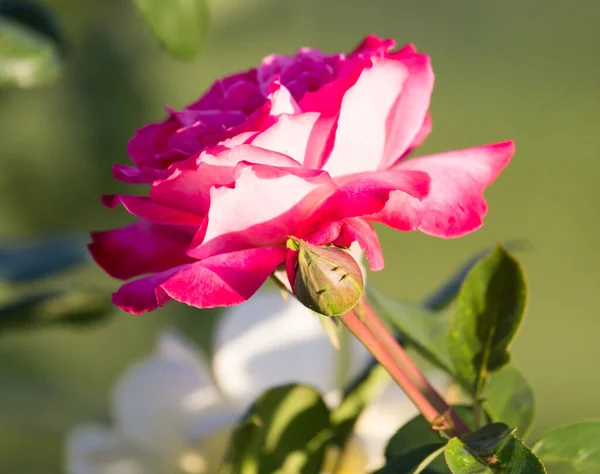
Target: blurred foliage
[[30, 44], [512, 69]]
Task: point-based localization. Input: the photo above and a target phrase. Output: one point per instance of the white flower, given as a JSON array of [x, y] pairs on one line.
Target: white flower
[[165, 405]]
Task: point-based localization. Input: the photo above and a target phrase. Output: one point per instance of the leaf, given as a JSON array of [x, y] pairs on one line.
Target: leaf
[[425, 330], [285, 431], [52, 308], [508, 398], [414, 442], [573, 449], [179, 25], [444, 295], [25, 262], [489, 309], [30, 45], [491, 449]]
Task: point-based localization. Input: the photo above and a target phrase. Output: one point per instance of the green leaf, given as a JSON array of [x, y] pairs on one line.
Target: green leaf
[[55, 308], [508, 398], [489, 309], [30, 45], [573, 449], [415, 441], [425, 330], [179, 25], [285, 431], [491, 449], [24, 262]]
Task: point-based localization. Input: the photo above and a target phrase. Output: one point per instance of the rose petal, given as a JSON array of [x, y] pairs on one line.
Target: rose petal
[[409, 112], [360, 231], [140, 248], [455, 204], [265, 207], [289, 135], [361, 135], [364, 194], [144, 294], [224, 280], [147, 209]]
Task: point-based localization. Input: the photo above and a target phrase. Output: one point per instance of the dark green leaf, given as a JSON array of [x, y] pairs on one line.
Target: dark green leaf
[[286, 430], [179, 25], [444, 295], [573, 449], [30, 45], [508, 398], [425, 330], [489, 309], [33, 260], [491, 449], [416, 440], [52, 308]]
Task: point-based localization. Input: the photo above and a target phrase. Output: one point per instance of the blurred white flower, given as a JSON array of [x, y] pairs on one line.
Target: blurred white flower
[[166, 405]]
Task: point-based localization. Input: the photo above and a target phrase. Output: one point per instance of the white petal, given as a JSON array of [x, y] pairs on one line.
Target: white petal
[[385, 415], [154, 399], [268, 341], [94, 449]]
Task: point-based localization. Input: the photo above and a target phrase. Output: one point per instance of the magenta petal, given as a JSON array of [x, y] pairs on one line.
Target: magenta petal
[[143, 207], [144, 294], [140, 248], [455, 204], [409, 113], [358, 230], [225, 279]]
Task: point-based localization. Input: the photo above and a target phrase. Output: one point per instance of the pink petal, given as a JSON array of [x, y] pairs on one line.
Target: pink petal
[[408, 114], [289, 135], [225, 279], [358, 230], [362, 126], [373, 44], [455, 204], [264, 208], [140, 248], [230, 157], [422, 134], [327, 102], [143, 207], [366, 193], [141, 175], [145, 294]]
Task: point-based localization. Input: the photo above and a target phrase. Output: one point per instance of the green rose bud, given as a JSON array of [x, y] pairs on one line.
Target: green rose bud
[[327, 279]]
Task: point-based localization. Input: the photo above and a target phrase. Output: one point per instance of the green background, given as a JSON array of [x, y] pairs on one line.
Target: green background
[[522, 70]]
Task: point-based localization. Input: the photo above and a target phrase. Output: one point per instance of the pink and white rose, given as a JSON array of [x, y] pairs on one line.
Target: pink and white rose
[[310, 146]]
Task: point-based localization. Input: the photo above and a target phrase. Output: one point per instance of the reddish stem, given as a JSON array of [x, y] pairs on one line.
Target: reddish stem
[[402, 360], [368, 339]]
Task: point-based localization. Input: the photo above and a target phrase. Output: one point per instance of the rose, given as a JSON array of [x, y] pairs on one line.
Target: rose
[[169, 414], [321, 169], [233, 104]]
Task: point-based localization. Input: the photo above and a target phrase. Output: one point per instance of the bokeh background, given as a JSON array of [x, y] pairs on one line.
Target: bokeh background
[[529, 71]]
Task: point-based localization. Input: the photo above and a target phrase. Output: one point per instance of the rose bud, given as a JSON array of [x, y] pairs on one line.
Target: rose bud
[[327, 279]]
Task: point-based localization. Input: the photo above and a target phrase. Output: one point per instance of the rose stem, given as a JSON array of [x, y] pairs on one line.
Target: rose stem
[[373, 345], [406, 364]]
